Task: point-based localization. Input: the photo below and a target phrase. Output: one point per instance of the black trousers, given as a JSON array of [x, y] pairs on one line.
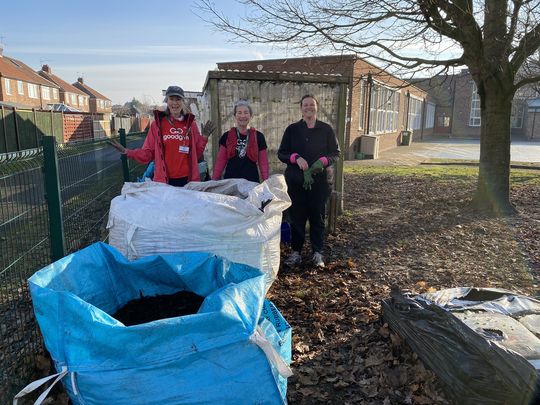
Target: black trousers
[[308, 205]]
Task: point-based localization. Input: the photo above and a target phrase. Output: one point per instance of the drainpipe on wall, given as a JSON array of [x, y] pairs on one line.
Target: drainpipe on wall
[[534, 119], [369, 88], [452, 109], [423, 124], [408, 95]]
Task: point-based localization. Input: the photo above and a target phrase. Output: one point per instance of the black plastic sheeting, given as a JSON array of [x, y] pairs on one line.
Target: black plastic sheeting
[[482, 343]]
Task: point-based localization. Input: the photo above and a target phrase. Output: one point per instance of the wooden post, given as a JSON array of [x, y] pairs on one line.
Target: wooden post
[[16, 120], [5, 129], [342, 109], [215, 115], [35, 127], [52, 124]]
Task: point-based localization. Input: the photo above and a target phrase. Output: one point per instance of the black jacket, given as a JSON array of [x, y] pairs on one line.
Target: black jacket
[[309, 143]]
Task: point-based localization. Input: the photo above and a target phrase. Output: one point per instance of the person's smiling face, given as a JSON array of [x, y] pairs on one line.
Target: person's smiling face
[[175, 105], [309, 109], [242, 116]]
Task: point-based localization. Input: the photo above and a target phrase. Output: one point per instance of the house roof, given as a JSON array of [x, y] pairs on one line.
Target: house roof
[[47, 74], [89, 90], [15, 69]]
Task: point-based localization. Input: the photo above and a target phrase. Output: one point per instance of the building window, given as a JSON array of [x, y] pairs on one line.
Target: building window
[[55, 93], [518, 109], [7, 84], [443, 121], [86, 101], [415, 113], [361, 109], [73, 99], [81, 100], [384, 109], [46, 93], [430, 115], [20, 88], [32, 90], [474, 119]]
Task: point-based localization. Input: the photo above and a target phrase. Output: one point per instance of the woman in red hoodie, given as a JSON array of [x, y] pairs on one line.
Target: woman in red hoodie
[[242, 151], [173, 142]]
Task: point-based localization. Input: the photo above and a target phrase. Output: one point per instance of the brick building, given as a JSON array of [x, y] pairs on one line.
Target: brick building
[[21, 87], [99, 104], [69, 95], [379, 107], [457, 112]]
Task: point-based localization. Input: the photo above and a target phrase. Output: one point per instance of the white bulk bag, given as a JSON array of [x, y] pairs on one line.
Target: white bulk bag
[[233, 218]]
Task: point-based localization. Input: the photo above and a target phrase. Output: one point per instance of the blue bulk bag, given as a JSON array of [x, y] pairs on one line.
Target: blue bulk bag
[[235, 350]]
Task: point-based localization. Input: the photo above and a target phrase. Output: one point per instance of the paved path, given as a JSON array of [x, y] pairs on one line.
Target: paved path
[[463, 149]]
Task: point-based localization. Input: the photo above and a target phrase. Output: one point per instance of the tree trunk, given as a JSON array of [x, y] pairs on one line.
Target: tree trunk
[[493, 189]]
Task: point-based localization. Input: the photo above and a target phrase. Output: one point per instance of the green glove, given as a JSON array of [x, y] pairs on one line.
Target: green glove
[[317, 167], [308, 179]]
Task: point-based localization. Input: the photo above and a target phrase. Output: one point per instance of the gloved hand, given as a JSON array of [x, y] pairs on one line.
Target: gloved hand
[[208, 129], [308, 179], [317, 167]]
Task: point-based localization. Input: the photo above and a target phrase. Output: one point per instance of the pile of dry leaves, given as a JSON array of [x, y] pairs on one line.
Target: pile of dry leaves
[[415, 232]]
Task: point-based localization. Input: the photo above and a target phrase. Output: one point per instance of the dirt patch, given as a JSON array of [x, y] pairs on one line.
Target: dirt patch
[[414, 232], [148, 309]]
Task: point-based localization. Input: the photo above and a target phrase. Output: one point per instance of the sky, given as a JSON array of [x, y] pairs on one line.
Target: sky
[[124, 49]]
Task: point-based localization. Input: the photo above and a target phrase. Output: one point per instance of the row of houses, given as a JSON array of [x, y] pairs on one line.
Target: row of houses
[[22, 87]]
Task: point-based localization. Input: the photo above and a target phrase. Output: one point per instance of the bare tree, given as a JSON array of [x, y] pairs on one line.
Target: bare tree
[[493, 38]]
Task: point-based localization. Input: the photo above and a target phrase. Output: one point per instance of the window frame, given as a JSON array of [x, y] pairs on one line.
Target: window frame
[[32, 90], [429, 121], [7, 86], [384, 109], [45, 92], [475, 117]]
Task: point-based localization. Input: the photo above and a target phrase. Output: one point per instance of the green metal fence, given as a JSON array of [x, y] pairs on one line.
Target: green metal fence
[[24, 247], [73, 185]]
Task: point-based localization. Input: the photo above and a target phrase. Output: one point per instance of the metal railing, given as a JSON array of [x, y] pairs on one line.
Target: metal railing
[[73, 185]]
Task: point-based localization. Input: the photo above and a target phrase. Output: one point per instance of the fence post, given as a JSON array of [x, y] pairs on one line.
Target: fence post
[[17, 133], [54, 200], [342, 126], [36, 127], [5, 130], [52, 124], [125, 166], [332, 212]]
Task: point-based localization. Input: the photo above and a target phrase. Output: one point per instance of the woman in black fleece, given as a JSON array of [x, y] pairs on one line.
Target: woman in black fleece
[[308, 147]]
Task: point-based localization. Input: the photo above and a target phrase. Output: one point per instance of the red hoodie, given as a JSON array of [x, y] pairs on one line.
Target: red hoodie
[[152, 148]]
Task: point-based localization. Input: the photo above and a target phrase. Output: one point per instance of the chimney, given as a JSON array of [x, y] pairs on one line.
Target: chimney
[[80, 80], [46, 69]]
